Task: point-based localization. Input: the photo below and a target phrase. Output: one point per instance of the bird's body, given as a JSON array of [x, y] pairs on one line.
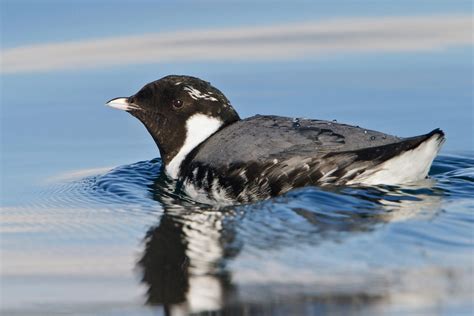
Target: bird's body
[[265, 156], [218, 157]]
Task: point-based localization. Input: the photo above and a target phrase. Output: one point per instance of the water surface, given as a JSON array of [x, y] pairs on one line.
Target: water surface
[[89, 224], [123, 240]]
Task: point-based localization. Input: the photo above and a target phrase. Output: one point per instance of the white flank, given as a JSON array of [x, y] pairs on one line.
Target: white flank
[[196, 94], [410, 166], [216, 195], [198, 128]]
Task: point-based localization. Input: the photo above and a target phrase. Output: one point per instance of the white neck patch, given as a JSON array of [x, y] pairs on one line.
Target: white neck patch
[[198, 128]]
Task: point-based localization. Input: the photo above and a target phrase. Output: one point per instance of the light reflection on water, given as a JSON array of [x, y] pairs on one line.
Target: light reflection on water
[[128, 234]]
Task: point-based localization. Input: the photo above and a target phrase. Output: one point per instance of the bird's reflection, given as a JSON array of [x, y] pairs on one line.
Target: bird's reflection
[[184, 261], [186, 255]]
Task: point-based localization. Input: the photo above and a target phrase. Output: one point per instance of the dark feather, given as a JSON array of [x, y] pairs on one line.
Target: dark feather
[[265, 156]]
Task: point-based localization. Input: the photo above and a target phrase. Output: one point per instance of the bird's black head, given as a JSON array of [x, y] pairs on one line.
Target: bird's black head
[[179, 112]]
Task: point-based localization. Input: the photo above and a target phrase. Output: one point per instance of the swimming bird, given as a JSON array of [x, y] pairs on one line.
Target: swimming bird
[[216, 156]]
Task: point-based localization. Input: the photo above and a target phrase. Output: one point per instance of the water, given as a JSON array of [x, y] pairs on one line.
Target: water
[[85, 230], [90, 226], [122, 241]]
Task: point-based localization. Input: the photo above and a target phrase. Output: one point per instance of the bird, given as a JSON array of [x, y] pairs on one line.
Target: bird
[[216, 157]]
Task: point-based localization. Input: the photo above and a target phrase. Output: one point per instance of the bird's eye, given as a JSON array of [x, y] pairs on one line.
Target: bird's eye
[[177, 104]]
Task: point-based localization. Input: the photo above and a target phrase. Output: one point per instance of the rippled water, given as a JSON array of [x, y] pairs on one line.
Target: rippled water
[[123, 241]]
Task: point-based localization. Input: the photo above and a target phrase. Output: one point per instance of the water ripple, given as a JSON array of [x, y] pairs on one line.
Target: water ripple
[[307, 237]]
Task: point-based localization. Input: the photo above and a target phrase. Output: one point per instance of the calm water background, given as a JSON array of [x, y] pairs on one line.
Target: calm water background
[[89, 225]]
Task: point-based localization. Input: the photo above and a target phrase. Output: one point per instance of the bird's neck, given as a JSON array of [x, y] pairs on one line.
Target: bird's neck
[[198, 128]]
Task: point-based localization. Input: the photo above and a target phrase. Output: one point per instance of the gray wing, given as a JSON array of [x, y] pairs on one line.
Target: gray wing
[[264, 138], [265, 156]]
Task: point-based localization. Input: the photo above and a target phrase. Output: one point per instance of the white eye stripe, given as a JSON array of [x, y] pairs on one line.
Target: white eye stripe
[[196, 94]]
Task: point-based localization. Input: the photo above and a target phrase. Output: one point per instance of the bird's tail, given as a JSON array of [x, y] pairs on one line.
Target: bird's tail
[[406, 161]]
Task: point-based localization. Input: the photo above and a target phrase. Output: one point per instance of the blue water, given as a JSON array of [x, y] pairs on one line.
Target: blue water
[[121, 239], [90, 226]]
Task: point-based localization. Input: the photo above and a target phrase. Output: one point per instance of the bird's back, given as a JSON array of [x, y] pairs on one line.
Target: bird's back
[[265, 138]]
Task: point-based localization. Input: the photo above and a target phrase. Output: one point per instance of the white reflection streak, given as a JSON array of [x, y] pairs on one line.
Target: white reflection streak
[[204, 251], [78, 174], [312, 39]]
